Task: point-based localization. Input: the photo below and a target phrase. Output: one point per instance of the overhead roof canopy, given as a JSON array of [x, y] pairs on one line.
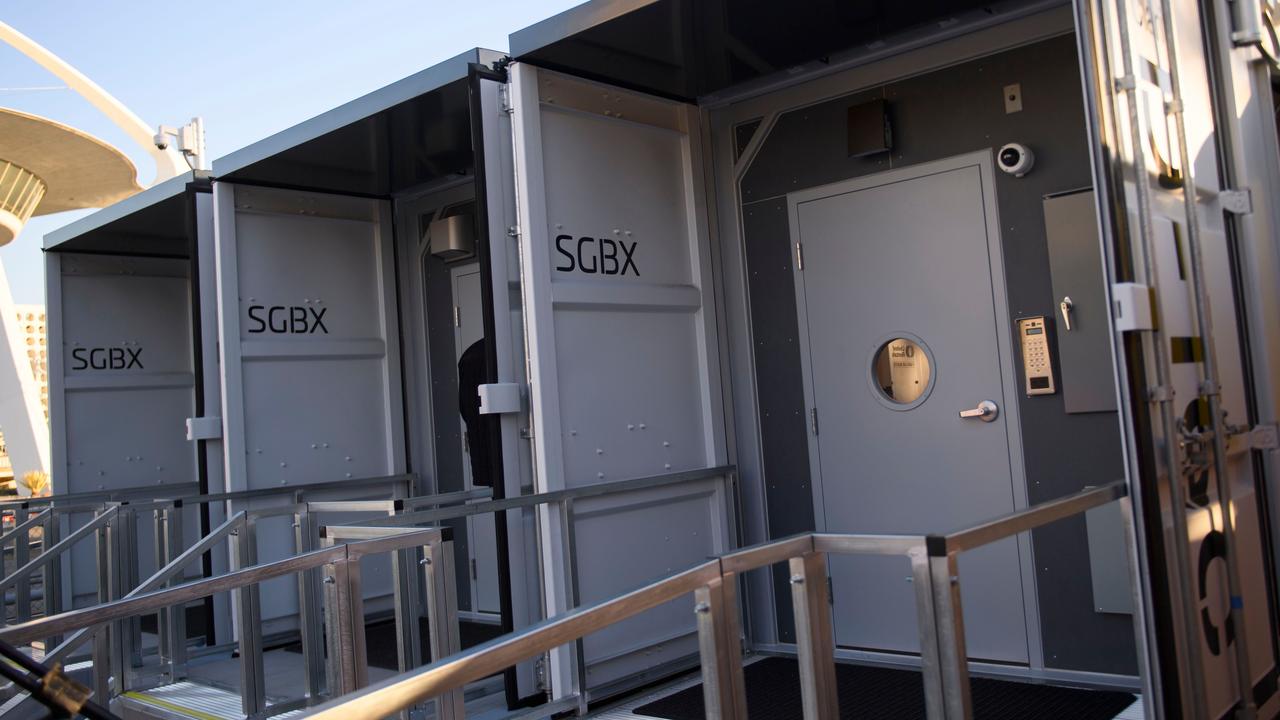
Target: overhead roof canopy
[[153, 222], [690, 49], [408, 133]]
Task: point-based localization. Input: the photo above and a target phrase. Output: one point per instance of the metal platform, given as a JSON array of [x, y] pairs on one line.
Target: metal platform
[[212, 691]]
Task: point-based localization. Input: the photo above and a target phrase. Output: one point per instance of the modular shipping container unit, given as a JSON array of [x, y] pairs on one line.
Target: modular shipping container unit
[[707, 274]]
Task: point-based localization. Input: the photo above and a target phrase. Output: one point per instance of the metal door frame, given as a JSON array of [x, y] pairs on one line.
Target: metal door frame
[[982, 160], [471, 266]]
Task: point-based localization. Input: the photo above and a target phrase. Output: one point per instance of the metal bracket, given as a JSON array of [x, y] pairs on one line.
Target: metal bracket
[[1132, 307], [1246, 22], [499, 398], [1160, 393], [204, 428], [1237, 201], [1265, 437]]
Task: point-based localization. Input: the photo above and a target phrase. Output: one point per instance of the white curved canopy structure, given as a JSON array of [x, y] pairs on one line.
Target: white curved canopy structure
[[47, 167]]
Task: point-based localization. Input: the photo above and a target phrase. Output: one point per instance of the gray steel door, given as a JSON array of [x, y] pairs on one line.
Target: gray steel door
[[907, 256]]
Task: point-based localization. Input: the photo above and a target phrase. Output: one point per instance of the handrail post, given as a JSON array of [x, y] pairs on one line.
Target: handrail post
[[720, 649], [119, 635], [442, 619], [569, 541], [248, 607], [52, 573], [21, 556], [404, 583], [814, 640], [311, 623], [177, 616], [926, 623], [344, 616], [102, 659], [128, 553], [949, 613]]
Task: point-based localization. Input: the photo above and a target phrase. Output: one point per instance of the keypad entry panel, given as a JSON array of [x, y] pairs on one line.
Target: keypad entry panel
[[1037, 365]]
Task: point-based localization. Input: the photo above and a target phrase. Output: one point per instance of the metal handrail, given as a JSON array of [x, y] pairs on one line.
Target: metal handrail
[[172, 648], [157, 600], [165, 492], [290, 489], [933, 557], [57, 549], [21, 528], [7, 506], [342, 559], [157, 579], [551, 497]]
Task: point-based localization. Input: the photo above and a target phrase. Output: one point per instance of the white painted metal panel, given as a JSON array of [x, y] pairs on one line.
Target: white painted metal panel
[[310, 356], [121, 385], [621, 334]]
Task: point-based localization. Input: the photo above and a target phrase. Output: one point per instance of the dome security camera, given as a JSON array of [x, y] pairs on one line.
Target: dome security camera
[[1016, 159]]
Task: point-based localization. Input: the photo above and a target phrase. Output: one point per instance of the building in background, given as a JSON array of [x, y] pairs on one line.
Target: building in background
[[34, 338]]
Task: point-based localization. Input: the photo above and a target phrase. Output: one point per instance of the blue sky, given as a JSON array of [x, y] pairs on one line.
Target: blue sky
[[249, 68]]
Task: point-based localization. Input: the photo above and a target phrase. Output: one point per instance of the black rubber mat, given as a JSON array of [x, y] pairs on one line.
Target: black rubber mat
[[875, 693]]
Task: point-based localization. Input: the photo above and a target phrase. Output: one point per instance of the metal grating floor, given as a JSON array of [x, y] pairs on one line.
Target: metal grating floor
[[187, 699]]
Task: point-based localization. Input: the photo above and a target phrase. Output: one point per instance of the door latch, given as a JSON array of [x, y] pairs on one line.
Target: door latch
[[987, 411]]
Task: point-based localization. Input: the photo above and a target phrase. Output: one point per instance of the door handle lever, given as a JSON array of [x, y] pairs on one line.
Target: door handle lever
[[1065, 306], [986, 411]]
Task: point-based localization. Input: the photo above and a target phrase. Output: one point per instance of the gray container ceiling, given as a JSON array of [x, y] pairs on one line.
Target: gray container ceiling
[[410, 132], [153, 222], [694, 49]]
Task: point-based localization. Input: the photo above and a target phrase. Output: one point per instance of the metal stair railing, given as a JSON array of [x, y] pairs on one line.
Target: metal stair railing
[[936, 581], [344, 619], [117, 561]]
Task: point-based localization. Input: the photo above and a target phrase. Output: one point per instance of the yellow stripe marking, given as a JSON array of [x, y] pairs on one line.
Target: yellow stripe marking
[[170, 706]]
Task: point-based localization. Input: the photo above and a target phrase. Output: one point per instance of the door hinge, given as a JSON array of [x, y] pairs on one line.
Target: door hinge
[[831, 592], [457, 316], [813, 419], [504, 95], [1237, 201], [474, 574], [800, 257], [1264, 436], [1248, 22], [540, 672], [513, 231]]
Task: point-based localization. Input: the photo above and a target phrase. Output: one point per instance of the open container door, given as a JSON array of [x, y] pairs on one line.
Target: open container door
[[310, 356], [1172, 245], [333, 216], [624, 373], [129, 364]]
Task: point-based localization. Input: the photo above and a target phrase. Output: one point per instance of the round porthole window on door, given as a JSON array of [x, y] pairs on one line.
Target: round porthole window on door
[[902, 371]]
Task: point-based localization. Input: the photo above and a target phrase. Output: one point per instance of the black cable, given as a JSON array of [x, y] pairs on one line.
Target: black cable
[[33, 682]]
